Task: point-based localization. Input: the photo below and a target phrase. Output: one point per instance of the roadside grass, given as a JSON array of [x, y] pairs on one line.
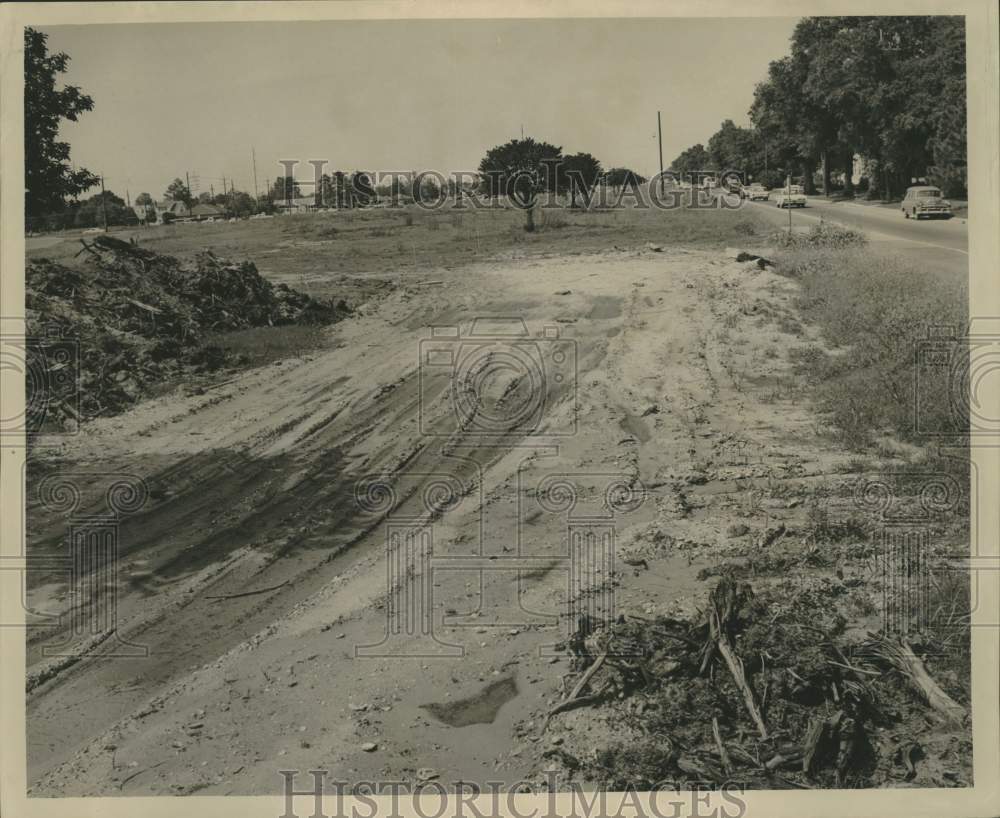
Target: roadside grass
[[873, 312]]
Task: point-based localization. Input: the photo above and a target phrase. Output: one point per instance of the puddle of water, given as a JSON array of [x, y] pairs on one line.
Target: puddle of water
[[482, 708]]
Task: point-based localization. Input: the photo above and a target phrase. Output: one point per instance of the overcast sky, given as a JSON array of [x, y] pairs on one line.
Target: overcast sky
[[171, 98]]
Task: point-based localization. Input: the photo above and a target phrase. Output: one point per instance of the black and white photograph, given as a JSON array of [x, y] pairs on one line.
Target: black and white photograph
[[408, 408]]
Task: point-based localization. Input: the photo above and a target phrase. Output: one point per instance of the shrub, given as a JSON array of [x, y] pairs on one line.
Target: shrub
[[824, 234]]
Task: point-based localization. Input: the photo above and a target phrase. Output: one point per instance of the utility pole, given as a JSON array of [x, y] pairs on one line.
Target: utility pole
[[128, 198], [659, 132], [104, 205], [253, 160], [212, 188]]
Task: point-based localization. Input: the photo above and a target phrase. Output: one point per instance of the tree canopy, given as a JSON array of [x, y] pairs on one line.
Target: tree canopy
[[48, 175], [177, 191], [620, 177], [891, 89], [888, 89], [580, 173], [521, 168]]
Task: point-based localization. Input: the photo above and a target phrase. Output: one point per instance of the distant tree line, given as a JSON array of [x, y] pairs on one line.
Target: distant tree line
[[890, 90]]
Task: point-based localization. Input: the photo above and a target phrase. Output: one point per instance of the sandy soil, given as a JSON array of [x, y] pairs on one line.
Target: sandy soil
[[671, 390]]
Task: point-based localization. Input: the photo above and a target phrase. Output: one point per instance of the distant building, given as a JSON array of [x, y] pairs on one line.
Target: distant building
[[203, 211], [177, 210]]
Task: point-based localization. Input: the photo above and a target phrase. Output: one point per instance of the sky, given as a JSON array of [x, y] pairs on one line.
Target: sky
[[196, 98]]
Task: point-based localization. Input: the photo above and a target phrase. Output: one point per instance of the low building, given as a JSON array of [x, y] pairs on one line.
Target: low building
[[203, 210]]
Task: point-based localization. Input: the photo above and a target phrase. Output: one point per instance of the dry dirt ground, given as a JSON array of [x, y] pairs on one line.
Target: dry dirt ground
[[675, 383]]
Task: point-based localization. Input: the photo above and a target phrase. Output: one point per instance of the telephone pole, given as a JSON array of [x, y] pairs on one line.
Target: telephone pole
[[104, 205], [253, 160], [659, 132]]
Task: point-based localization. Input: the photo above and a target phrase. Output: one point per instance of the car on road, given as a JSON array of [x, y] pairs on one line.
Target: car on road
[[708, 183], [791, 196], [757, 191], [924, 200]]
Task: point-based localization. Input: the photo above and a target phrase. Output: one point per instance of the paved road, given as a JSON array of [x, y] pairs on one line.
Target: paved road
[[941, 245]]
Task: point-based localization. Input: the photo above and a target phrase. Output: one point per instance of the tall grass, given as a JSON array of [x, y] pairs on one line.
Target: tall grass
[[873, 312]]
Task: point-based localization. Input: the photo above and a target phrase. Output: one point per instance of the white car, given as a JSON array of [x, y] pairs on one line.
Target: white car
[[757, 191], [791, 196]]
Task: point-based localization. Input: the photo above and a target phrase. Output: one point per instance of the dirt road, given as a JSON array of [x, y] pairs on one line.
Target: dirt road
[[662, 399]]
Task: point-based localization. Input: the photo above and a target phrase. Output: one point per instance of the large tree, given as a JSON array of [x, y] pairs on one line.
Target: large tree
[[48, 175], [521, 169], [621, 177], [733, 148], [284, 188], [177, 191], [692, 160], [891, 89], [580, 173]]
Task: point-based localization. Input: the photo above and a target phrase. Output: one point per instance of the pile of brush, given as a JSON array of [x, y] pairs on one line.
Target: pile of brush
[[764, 693], [126, 318]]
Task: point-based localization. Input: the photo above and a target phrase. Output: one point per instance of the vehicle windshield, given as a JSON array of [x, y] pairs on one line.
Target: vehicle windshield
[[927, 191]]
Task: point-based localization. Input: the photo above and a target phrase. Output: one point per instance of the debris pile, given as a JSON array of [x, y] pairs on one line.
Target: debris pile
[[761, 694], [136, 318]]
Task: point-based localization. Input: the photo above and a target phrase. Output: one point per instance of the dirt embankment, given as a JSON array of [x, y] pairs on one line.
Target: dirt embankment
[[676, 427]]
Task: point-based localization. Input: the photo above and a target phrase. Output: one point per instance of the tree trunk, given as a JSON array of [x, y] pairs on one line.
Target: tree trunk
[[529, 218], [808, 185], [826, 173]]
